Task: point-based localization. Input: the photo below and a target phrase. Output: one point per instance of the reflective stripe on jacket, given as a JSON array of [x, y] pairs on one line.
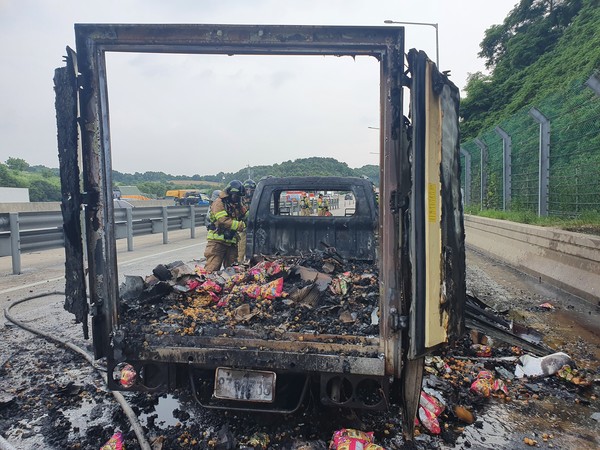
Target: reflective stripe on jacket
[[227, 220]]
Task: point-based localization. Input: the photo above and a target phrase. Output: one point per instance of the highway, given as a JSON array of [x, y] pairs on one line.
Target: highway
[[44, 271], [572, 327]]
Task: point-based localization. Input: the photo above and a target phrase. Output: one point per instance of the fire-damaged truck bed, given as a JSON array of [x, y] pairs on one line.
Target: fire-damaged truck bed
[[314, 298], [313, 288]]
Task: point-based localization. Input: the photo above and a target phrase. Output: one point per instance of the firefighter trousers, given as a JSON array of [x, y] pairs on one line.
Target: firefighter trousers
[[242, 246], [219, 253]]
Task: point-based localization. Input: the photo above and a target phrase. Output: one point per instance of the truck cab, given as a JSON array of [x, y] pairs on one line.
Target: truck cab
[[276, 225]]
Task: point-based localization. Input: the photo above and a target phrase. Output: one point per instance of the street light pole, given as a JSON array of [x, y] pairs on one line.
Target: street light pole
[[437, 41]]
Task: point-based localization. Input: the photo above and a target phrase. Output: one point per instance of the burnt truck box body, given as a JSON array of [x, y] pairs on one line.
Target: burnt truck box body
[[419, 249]]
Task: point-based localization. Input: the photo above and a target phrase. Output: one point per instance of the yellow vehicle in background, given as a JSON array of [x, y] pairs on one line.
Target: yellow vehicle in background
[[181, 193]]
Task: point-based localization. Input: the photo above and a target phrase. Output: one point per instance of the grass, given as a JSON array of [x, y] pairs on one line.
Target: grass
[[588, 222]]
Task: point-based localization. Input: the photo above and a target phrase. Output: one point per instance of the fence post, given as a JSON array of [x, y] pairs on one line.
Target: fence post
[[129, 218], [593, 83], [544, 166], [467, 157], [192, 222], [15, 242], [165, 221], [506, 168], [484, 160]]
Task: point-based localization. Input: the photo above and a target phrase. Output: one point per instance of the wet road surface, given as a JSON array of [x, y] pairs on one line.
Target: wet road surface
[[46, 380]]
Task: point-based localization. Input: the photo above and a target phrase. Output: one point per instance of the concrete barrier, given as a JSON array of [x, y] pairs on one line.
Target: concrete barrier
[[567, 260]]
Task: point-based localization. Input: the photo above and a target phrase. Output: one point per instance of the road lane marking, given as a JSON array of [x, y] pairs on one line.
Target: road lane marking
[[31, 285], [161, 253], [27, 286]]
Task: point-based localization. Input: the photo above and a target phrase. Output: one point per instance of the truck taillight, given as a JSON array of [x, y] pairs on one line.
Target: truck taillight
[[125, 374]]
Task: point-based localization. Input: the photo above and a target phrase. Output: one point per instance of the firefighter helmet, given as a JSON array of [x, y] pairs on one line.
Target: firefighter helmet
[[249, 184], [235, 187]]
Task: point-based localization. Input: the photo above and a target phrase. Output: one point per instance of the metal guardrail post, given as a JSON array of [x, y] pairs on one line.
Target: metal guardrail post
[[165, 222], [467, 157], [129, 217], [484, 160], [192, 222], [544, 160], [35, 231], [506, 168], [15, 242]]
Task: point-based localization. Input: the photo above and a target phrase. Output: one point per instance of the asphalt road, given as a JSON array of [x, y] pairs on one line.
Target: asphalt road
[[44, 271], [33, 368]]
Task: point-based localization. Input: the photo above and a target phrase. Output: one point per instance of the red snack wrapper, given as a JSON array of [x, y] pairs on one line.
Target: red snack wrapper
[[500, 386], [481, 350], [265, 269], [251, 290], [128, 376], [350, 439], [485, 384], [429, 420], [224, 300], [272, 290], [485, 375], [351, 444], [267, 291], [193, 284], [431, 403], [374, 447], [481, 387], [116, 442], [210, 286]]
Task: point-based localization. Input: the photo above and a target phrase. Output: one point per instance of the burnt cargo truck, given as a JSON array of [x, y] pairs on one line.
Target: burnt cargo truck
[[400, 259]]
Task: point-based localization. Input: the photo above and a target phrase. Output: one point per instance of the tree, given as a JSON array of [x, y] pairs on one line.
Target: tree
[[531, 29], [476, 105], [157, 189], [43, 190], [17, 164], [8, 178]]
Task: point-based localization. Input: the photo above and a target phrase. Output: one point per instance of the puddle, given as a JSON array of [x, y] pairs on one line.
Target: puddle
[[493, 429], [163, 412]]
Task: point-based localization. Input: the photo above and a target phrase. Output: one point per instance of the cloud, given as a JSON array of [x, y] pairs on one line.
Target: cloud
[[187, 114]]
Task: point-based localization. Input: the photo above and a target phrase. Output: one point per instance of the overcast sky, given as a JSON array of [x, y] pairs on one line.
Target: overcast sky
[[202, 114]]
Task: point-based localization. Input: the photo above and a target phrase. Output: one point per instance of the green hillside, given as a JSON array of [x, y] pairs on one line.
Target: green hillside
[[541, 47], [44, 183], [540, 59]]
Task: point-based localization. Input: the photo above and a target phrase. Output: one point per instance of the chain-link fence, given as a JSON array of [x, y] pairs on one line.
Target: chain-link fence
[[545, 158]]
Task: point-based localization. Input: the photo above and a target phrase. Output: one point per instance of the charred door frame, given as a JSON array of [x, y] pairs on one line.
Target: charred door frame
[[386, 44]]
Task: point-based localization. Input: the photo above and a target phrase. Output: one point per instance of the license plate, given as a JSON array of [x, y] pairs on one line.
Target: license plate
[[244, 385]]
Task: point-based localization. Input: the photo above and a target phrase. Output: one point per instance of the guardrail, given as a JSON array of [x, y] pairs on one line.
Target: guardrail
[[35, 231]]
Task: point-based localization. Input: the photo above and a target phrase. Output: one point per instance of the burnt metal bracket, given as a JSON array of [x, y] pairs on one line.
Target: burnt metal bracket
[[397, 322], [89, 197], [118, 344], [397, 202]]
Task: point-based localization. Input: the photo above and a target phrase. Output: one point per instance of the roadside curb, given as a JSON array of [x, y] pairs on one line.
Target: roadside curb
[[567, 260]]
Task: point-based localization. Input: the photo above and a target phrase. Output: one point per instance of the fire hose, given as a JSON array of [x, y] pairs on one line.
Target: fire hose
[[135, 424]]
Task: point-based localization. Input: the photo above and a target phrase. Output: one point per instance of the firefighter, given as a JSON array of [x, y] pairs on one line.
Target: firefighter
[[305, 206], [213, 197], [322, 206], [226, 221], [249, 188]]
